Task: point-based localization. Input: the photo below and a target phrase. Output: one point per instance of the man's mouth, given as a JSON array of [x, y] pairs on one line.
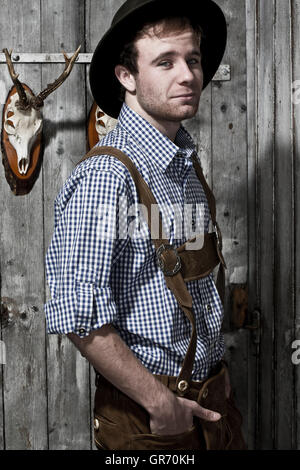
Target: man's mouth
[[186, 95]]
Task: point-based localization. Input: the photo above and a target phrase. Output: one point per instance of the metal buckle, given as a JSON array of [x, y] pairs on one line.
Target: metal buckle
[[218, 235], [219, 243], [161, 264]]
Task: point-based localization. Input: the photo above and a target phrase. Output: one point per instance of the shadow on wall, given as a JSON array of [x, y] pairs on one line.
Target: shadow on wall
[[53, 128]]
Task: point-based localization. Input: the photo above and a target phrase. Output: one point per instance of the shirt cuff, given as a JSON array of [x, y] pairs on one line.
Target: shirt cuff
[[87, 307]]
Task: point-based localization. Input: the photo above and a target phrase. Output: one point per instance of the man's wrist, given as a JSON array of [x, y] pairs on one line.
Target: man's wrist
[[158, 398]]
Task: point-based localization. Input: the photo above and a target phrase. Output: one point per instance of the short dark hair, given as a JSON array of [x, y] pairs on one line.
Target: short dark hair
[[129, 54]]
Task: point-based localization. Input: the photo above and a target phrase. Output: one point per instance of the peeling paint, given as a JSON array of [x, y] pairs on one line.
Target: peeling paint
[[239, 275], [25, 435]]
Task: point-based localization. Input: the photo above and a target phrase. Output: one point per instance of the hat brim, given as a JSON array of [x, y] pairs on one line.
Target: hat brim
[[104, 84]]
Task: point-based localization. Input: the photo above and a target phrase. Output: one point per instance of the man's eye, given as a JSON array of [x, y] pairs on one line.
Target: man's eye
[[165, 63], [193, 61]]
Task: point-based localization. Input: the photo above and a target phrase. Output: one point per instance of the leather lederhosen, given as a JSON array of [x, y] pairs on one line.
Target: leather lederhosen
[[122, 424]]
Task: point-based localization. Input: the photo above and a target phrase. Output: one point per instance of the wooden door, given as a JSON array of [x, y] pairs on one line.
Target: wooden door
[[247, 132]]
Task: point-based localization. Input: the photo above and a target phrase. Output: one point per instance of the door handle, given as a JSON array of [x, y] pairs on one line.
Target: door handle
[[240, 316]]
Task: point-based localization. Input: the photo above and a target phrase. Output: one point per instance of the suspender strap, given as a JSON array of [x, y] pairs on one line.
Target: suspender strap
[[208, 193], [168, 256], [220, 283]]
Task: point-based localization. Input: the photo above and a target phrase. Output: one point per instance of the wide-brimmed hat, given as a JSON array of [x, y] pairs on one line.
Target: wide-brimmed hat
[[129, 18]]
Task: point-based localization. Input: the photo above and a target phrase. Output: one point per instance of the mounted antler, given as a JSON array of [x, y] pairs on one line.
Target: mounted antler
[[38, 101], [22, 123], [23, 103]]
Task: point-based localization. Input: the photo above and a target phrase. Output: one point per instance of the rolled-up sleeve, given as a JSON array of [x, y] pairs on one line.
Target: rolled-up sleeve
[[82, 252]]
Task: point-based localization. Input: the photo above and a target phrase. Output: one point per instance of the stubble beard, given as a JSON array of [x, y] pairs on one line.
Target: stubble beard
[[164, 112]]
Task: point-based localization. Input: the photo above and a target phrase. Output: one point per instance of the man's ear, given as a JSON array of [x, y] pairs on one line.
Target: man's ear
[[125, 78]]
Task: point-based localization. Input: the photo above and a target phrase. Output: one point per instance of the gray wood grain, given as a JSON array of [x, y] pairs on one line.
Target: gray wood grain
[[248, 138], [284, 226], [99, 15], [200, 129], [24, 378], [265, 222], [2, 443], [229, 172], [65, 110], [253, 357], [296, 134]]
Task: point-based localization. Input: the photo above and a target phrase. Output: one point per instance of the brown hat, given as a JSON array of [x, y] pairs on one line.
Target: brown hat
[[132, 15]]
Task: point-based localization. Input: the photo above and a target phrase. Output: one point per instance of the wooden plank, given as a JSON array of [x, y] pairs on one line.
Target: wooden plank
[[296, 134], [200, 129], [2, 365], [252, 221], [229, 137], [2, 443], [284, 236], [25, 401], [68, 372], [99, 16], [265, 226]]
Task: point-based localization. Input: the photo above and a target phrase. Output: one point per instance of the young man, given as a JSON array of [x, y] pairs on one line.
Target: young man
[[109, 294]]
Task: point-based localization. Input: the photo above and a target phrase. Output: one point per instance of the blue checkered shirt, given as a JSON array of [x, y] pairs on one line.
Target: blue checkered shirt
[[95, 280]]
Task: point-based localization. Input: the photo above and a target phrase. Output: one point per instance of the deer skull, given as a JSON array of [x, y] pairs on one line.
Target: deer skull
[[104, 123], [22, 127], [23, 118]]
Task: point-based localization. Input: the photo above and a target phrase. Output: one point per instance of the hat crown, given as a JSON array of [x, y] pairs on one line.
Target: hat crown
[[127, 8]]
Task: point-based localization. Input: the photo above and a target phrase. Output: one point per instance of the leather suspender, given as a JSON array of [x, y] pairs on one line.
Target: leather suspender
[[179, 265]]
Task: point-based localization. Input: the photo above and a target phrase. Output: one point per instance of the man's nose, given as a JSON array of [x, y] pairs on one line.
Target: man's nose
[[185, 74]]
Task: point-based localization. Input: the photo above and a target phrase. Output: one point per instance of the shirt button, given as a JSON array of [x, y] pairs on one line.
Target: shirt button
[[208, 308], [82, 331], [205, 393]]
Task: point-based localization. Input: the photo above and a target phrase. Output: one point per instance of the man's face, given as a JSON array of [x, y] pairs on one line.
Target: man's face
[[170, 78]]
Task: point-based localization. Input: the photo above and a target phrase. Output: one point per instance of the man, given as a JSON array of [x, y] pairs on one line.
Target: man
[[109, 294]]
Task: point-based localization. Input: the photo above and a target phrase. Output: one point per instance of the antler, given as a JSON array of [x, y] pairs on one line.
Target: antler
[[38, 101], [23, 103]]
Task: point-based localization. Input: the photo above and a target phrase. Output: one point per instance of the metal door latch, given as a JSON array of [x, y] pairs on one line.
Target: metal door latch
[[255, 325]]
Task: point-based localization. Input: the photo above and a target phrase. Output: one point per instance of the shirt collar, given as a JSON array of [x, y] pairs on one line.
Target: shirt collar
[[153, 143]]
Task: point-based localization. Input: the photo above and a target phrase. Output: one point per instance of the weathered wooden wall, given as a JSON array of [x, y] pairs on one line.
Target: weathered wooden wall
[[273, 156], [247, 131]]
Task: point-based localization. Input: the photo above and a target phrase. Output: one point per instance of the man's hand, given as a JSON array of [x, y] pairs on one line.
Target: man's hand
[[108, 354], [175, 415]]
